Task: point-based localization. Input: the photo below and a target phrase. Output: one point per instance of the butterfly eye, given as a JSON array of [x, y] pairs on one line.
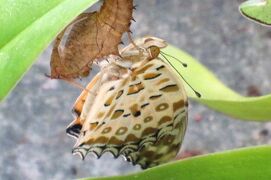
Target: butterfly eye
[[154, 51]]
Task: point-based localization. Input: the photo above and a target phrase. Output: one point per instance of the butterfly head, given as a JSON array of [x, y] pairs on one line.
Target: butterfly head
[[153, 46], [141, 51]]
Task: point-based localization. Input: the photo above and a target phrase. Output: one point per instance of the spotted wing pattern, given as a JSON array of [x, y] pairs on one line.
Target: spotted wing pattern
[[141, 116]]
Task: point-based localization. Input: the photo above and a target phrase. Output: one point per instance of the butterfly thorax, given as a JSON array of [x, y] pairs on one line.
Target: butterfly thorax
[[142, 51]]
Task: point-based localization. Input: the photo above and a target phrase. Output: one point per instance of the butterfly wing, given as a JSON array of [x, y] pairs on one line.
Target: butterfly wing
[[78, 108], [142, 117]]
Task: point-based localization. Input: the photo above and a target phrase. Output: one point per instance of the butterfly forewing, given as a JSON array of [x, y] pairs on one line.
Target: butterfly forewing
[[83, 102], [142, 116]]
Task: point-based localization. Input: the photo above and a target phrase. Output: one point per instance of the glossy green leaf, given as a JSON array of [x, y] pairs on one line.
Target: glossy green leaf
[[216, 95], [243, 164], [26, 28], [257, 10], [29, 26]]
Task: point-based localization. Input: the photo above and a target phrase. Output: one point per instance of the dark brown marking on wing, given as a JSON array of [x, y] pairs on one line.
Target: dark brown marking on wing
[[133, 85], [162, 107], [115, 141], [170, 88], [148, 119], [164, 119], [178, 105], [117, 114], [99, 126], [145, 105], [112, 88], [155, 97], [90, 141], [168, 140], [110, 111], [121, 131], [136, 88], [162, 81], [151, 76], [101, 140], [107, 130], [120, 93], [149, 131], [137, 127], [109, 101], [161, 67], [135, 110], [126, 115], [143, 70], [93, 126], [132, 138], [137, 114]]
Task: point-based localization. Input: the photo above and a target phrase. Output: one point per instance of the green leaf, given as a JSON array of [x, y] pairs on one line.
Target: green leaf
[[257, 10], [27, 27], [215, 94], [243, 164]]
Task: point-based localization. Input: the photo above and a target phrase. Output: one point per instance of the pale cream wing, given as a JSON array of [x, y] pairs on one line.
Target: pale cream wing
[[142, 117]]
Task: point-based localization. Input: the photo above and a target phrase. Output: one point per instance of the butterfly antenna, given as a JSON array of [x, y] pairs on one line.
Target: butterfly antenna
[[197, 93], [184, 64]]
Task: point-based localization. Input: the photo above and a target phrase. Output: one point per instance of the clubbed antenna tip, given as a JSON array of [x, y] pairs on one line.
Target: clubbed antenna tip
[[197, 94]]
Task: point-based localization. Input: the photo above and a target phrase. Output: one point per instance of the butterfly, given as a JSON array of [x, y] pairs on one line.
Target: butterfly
[[135, 107]]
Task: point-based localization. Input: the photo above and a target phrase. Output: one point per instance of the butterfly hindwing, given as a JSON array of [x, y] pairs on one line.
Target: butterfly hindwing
[[142, 116]]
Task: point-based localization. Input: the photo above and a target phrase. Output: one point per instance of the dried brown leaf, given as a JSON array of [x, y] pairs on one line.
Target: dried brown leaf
[[91, 36]]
